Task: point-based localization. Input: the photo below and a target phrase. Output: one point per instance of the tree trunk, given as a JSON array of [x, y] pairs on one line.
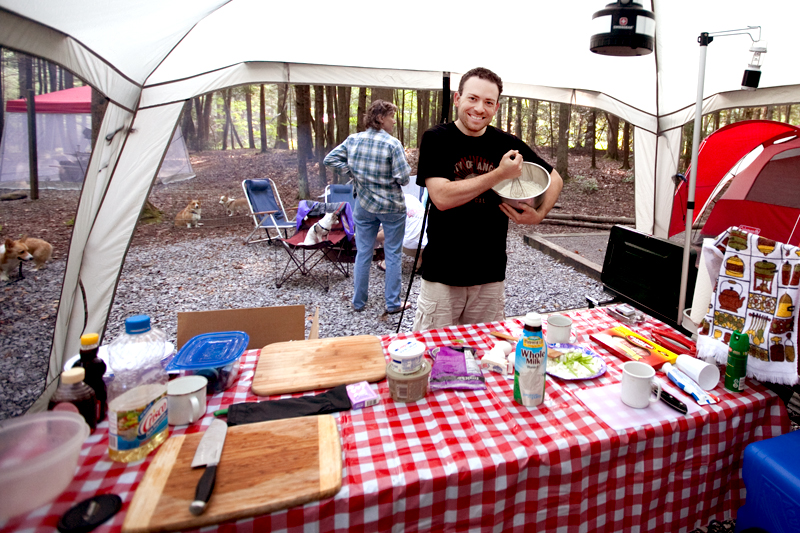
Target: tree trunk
[[518, 119], [362, 109], [304, 148], [534, 122], [612, 136], [69, 79], [262, 116], [187, 124], [342, 114], [226, 104], [53, 69], [593, 137], [626, 146], [207, 102], [423, 112], [319, 131], [401, 136], [248, 98], [382, 93], [498, 118], [198, 134], [563, 141], [330, 133], [305, 145], [25, 69], [282, 125], [510, 115]]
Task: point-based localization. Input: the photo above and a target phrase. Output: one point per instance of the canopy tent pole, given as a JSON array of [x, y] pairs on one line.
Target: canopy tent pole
[[704, 39]]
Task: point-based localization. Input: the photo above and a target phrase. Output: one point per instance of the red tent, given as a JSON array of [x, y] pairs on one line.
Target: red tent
[[76, 100], [717, 155], [764, 197]]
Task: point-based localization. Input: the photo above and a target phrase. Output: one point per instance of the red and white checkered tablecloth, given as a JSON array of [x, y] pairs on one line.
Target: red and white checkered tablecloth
[[475, 460]]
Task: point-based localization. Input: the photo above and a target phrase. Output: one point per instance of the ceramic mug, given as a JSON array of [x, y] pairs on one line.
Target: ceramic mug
[[638, 380], [559, 329], [186, 400]]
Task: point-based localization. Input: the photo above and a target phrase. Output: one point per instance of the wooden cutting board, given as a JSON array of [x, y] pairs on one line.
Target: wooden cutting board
[[264, 467], [298, 366]]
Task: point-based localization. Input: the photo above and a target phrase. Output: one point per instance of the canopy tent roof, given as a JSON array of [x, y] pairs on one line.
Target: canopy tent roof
[[149, 56], [75, 100]]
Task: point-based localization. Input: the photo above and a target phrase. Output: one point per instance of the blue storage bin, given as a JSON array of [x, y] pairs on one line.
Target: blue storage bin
[[771, 473]]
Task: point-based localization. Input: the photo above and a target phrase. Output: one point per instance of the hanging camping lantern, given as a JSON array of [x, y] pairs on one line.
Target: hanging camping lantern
[[623, 28]]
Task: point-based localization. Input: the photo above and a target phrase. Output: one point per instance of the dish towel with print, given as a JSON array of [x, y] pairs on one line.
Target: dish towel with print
[[756, 292]]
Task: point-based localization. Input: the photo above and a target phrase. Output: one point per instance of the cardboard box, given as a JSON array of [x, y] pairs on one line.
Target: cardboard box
[[264, 325]]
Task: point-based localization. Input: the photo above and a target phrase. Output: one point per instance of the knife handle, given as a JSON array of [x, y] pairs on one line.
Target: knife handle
[[203, 492]]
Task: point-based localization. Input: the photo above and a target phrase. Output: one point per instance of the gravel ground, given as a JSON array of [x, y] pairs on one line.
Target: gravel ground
[[217, 272]]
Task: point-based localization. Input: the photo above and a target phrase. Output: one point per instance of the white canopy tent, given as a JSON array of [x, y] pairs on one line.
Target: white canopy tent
[[149, 56]]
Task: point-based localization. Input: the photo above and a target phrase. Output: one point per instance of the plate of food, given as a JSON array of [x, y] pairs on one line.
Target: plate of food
[[573, 362]]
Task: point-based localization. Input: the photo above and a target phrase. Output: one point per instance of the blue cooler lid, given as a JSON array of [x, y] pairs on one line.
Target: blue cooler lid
[[210, 350]]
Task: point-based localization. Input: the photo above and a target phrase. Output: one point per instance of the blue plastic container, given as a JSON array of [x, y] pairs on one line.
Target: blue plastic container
[[213, 355], [771, 473]]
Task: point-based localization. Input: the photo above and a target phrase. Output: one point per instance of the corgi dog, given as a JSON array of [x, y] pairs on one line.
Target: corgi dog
[[319, 231], [189, 216], [40, 249], [232, 205], [11, 253]]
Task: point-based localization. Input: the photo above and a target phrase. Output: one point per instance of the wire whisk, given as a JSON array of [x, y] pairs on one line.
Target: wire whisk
[[517, 189]]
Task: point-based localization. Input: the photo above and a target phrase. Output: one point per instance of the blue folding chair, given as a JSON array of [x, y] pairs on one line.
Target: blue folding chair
[[267, 210], [340, 192]]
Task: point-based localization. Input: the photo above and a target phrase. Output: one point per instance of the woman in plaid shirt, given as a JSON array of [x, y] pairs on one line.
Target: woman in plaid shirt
[[376, 162]]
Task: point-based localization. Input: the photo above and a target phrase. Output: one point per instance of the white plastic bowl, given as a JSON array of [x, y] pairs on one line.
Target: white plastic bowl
[[38, 456]]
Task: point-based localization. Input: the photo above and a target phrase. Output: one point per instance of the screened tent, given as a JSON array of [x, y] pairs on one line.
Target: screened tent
[[149, 57], [63, 143]]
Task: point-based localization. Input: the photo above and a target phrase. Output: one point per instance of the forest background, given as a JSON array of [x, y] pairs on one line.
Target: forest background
[[314, 119]]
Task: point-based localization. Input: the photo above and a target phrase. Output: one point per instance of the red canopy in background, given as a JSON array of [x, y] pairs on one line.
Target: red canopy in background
[[75, 100], [717, 154]]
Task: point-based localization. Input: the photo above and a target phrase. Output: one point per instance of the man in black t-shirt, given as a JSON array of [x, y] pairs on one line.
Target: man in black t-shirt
[[464, 263]]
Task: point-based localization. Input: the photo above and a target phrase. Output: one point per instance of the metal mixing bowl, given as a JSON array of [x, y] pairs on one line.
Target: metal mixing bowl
[[532, 173]]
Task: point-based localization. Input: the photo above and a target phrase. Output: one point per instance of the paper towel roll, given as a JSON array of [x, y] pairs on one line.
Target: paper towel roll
[[703, 288]]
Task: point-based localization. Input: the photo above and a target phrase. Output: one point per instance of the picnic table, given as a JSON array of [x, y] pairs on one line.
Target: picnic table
[[476, 460]]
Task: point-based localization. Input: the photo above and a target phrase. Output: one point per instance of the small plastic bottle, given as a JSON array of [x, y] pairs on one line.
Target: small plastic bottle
[[736, 369], [530, 363], [137, 397], [76, 396], [95, 369]]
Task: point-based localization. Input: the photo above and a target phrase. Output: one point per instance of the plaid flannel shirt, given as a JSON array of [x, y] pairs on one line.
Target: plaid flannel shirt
[[377, 163]]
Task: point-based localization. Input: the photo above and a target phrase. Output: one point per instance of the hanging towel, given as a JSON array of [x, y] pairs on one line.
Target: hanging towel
[[756, 292]]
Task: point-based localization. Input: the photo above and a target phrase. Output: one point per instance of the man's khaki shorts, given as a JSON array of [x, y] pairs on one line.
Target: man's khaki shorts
[[442, 305]]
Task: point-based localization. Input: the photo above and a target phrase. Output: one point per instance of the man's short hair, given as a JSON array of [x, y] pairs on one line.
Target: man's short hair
[[484, 74], [377, 112]]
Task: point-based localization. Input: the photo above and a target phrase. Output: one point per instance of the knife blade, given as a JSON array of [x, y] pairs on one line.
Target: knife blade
[[672, 401], [208, 453]]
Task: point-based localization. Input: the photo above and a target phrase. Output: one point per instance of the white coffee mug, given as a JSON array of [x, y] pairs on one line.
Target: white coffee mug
[[186, 400], [638, 380], [559, 329]]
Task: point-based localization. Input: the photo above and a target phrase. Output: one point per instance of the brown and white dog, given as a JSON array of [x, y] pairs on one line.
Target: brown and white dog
[[189, 216], [232, 205], [11, 253], [24, 249]]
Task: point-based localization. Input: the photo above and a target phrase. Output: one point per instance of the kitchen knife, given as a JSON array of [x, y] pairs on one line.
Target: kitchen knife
[[208, 454], [672, 401]]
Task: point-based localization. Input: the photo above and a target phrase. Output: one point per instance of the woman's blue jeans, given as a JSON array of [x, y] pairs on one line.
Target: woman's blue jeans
[[367, 226]]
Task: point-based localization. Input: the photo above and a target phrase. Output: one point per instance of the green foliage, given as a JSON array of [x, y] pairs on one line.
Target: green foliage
[[629, 178], [587, 185], [70, 222]]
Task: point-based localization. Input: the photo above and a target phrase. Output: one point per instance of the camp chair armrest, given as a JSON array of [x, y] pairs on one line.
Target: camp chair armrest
[[265, 212]]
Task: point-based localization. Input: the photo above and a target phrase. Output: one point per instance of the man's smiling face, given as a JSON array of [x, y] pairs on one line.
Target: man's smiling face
[[476, 106]]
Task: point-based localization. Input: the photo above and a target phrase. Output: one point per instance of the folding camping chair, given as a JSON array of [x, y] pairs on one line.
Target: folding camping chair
[[267, 210], [303, 258], [340, 192]]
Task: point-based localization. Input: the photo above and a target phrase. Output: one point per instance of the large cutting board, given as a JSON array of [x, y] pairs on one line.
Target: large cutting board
[[297, 366], [264, 467]]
